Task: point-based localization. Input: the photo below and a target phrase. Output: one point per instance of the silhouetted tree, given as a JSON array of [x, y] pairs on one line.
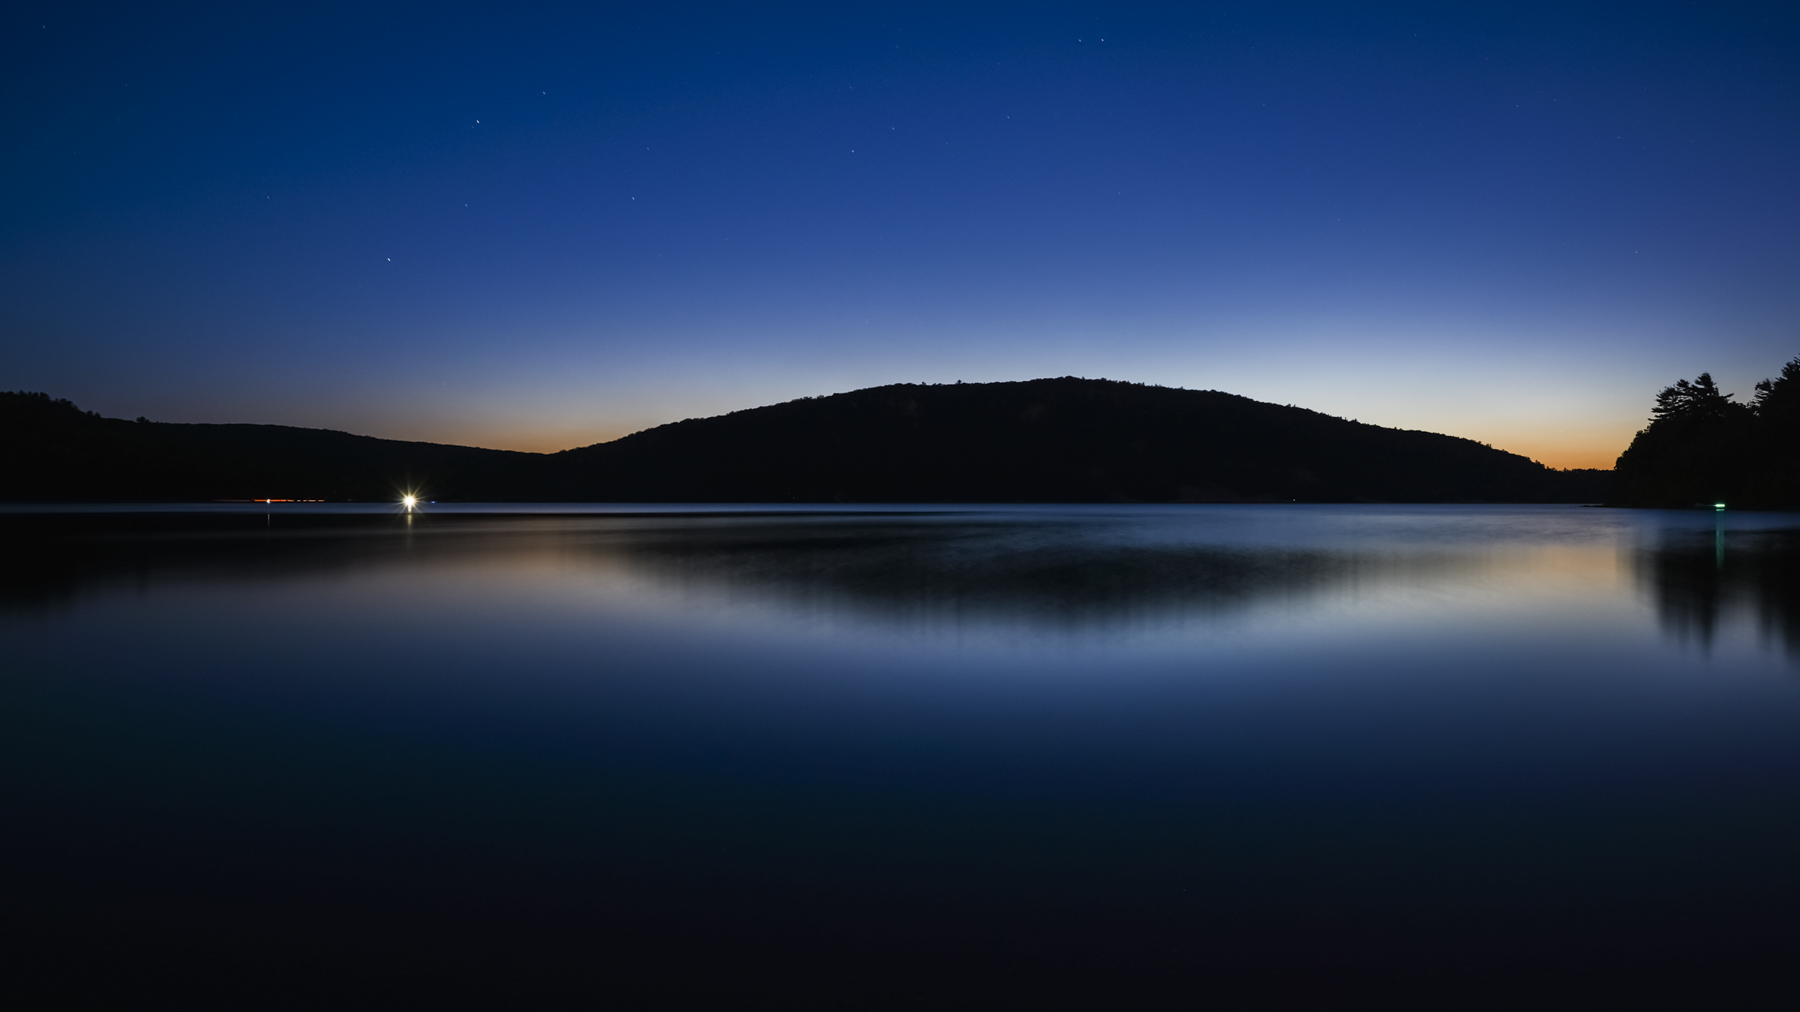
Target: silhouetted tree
[[1703, 447], [1699, 400], [1777, 409], [1780, 396]]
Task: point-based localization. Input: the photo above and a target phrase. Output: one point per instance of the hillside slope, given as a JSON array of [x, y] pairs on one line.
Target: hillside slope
[[1053, 440], [54, 451]]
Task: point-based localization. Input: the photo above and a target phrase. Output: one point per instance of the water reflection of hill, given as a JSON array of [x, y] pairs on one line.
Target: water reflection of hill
[[1054, 574], [1701, 579], [894, 568]]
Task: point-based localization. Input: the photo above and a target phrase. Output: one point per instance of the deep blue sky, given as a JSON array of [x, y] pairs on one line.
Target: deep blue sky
[[538, 227]]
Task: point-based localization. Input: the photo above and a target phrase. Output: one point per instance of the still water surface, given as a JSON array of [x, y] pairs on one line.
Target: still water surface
[[1181, 743]]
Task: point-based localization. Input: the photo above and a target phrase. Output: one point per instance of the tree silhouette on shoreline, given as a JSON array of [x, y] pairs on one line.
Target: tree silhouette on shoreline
[[1703, 447]]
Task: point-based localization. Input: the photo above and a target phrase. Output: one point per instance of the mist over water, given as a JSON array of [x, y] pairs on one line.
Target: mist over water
[[1211, 740]]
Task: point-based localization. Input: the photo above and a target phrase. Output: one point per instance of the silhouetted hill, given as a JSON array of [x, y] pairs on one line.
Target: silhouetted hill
[[1052, 440], [1055, 440]]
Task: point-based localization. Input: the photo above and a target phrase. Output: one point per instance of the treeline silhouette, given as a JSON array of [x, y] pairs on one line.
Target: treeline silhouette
[[1049, 440], [1702, 447]]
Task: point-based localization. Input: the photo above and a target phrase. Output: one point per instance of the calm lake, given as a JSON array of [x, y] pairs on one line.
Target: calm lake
[[550, 752]]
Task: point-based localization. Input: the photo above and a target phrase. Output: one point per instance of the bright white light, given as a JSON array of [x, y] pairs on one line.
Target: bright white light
[[409, 501]]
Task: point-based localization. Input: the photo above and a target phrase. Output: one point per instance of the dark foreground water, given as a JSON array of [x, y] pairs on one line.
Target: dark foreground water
[[1115, 755]]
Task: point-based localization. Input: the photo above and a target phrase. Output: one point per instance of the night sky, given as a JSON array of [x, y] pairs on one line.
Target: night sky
[[541, 227]]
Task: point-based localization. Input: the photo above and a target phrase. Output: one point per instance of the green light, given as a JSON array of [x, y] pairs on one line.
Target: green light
[[1718, 505]]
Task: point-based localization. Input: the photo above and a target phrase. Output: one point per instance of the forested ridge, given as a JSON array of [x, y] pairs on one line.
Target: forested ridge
[[1048, 440], [1061, 440]]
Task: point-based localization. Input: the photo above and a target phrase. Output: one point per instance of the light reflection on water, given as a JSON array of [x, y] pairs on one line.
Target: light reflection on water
[[1414, 723]]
